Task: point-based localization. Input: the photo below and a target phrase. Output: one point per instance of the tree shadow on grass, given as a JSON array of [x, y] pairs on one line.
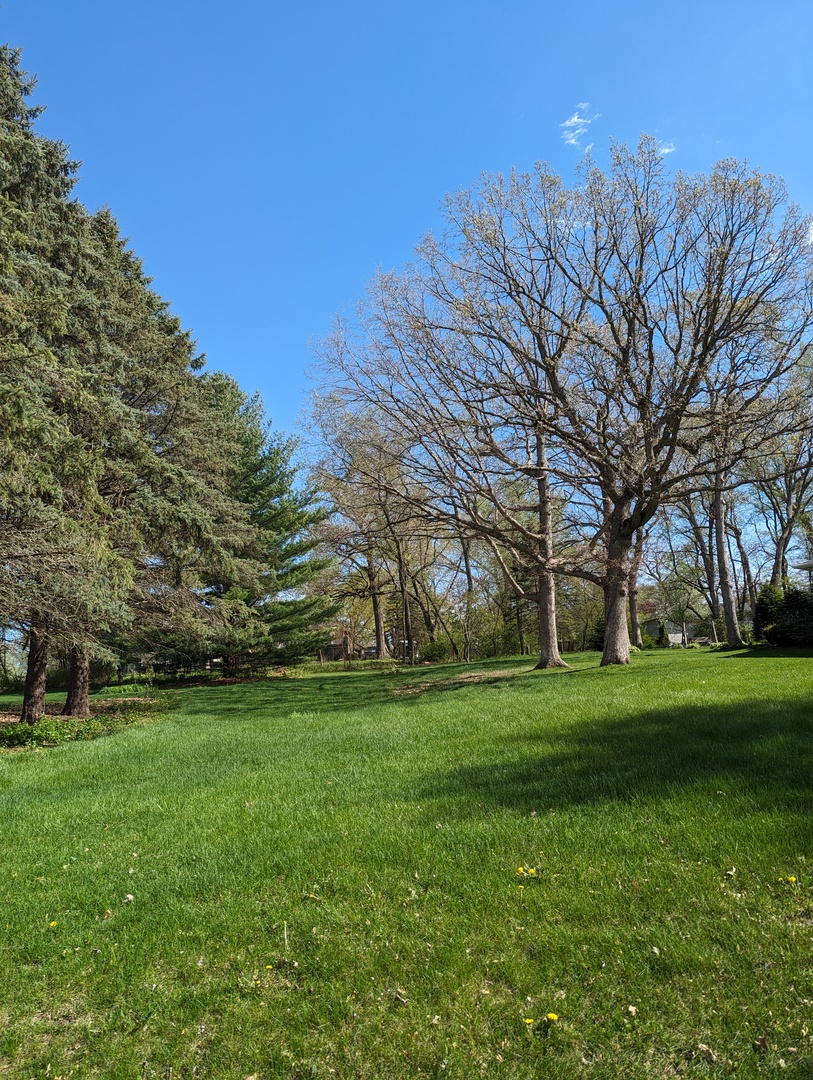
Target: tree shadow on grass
[[766, 748], [346, 691], [281, 697]]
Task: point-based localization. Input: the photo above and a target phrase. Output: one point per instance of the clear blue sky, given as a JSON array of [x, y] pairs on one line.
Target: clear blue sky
[[266, 158]]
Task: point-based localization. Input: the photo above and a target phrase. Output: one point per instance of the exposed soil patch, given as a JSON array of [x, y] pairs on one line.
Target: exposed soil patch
[[459, 680], [102, 707]]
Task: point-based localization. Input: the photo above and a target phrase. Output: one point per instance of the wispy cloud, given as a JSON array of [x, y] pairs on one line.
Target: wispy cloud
[[578, 124], [666, 148]]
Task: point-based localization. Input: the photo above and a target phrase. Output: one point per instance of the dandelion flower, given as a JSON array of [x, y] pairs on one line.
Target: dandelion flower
[[792, 880], [532, 871], [269, 967], [522, 886], [552, 1018], [52, 923], [520, 869], [529, 1019]]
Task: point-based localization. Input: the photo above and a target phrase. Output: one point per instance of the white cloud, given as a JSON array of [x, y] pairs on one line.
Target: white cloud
[[578, 124], [666, 148]]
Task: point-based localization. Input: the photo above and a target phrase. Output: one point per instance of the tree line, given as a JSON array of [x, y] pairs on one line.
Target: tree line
[[147, 510], [573, 390]]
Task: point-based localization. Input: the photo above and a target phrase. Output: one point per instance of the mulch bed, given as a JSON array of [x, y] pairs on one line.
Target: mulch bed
[[97, 708]]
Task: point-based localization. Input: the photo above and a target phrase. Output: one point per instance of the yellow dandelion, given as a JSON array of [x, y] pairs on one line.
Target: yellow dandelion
[[552, 1018], [529, 1019], [522, 886], [269, 967], [52, 923], [520, 869], [792, 880], [532, 871]]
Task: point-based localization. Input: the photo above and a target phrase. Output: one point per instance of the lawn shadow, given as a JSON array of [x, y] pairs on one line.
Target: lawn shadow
[[767, 748], [341, 692], [345, 691]]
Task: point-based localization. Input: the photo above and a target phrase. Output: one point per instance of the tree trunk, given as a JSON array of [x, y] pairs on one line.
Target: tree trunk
[[78, 700], [616, 590], [381, 650], [616, 634], [750, 591], [469, 604], [34, 693], [729, 599], [409, 640], [779, 572], [635, 622], [703, 533], [549, 656]]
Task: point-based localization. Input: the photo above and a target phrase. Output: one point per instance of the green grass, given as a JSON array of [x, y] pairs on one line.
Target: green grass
[[324, 878]]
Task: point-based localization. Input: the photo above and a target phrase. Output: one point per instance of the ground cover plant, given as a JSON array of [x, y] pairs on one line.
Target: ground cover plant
[[456, 871]]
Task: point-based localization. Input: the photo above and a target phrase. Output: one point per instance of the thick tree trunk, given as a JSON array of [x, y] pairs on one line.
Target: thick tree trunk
[[34, 693], [727, 593], [549, 656], [616, 634], [616, 589], [78, 700]]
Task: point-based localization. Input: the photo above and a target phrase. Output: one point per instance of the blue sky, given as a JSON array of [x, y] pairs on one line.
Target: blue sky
[[266, 159]]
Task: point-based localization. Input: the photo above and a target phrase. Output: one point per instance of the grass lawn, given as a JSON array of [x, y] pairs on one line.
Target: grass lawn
[[319, 876]]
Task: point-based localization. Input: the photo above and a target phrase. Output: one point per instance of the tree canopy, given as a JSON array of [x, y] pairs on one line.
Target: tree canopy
[[142, 500]]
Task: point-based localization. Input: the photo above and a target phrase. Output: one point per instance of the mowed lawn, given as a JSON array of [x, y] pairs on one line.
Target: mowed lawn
[[320, 876]]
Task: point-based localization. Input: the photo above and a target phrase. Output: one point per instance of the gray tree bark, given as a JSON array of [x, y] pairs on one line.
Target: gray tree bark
[[78, 700], [34, 692]]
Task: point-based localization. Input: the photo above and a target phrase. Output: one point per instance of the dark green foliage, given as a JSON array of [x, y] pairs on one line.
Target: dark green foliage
[[145, 506], [769, 603], [435, 652], [595, 635], [793, 622]]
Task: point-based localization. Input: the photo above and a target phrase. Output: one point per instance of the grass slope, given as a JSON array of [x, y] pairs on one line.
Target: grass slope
[[319, 877]]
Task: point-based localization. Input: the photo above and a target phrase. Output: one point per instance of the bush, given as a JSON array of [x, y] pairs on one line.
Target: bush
[[770, 601], [793, 620], [435, 652]]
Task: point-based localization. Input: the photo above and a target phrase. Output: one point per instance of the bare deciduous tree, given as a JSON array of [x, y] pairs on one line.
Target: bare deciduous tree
[[580, 347]]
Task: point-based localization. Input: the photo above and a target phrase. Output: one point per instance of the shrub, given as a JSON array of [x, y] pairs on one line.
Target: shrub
[[435, 652], [770, 601], [793, 621]]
